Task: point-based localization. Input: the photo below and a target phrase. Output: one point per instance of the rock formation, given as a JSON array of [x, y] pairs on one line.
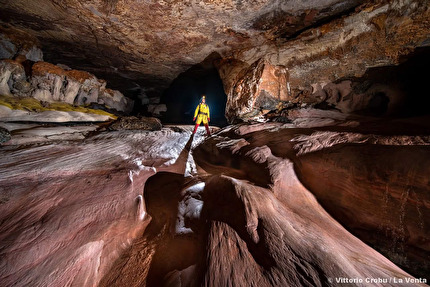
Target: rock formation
[[15, 43], [50, 83], [135, 123], [254, 89]]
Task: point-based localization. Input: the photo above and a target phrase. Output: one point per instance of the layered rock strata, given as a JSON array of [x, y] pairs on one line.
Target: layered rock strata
[[245, 206]]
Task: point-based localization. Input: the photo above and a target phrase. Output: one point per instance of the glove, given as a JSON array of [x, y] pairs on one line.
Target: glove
[[194, 119], [209, 119]]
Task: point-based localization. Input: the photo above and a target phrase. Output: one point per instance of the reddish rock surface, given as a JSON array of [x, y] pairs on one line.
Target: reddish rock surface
[[378, 189], [241, 208], [255, 89], [247, 219], [69, 209]]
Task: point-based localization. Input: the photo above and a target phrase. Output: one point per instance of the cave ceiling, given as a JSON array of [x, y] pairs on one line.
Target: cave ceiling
[[147, 44]]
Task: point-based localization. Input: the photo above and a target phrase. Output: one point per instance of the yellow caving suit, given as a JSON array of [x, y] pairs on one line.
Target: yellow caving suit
[[202, 114]]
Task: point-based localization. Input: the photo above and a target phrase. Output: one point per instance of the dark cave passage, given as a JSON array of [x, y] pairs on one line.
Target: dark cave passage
[[183, 95], [397, 91]]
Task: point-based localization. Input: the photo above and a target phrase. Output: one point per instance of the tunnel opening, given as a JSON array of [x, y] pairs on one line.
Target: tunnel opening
[[398, 91], [183, 95]]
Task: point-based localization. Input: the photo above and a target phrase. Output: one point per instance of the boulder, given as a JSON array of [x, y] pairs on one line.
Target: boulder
[[7, 48], [15, 43], [135, 123], [115, 100], [156, 110], [33, 53]]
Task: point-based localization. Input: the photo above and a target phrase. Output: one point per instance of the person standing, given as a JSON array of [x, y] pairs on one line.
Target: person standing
[[202, 115]]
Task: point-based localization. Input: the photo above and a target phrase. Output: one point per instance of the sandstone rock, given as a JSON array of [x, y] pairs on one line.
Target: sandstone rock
[[247, 220], [162, 45], [232, 209], [12, 78], [9, 115], [51, 83], [25, 134], [83, 211], [114, 99], [16, 42], [387, 176], [229, 70], [70, 91], [360, 97], [33, 54], [350, 173], [60, 85], [319, 43], [260, 86], [348, 46], [135, 123]]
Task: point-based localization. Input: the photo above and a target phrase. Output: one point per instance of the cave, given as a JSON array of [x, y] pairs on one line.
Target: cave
[[183, 95], [313, 170]]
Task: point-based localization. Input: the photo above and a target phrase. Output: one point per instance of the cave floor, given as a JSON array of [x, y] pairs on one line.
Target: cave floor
[[267, 204]]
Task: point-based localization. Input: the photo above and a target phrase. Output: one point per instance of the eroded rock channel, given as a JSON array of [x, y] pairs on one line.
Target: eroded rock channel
[[255, 213]]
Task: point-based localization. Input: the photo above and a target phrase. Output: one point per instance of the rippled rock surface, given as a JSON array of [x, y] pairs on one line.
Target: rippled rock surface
[[253, 205]]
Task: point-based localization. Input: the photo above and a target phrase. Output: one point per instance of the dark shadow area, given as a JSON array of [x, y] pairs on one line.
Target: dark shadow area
[[230, 209], [162, 194], [398, 91], [238, 165], [183, 95], [175, 255]]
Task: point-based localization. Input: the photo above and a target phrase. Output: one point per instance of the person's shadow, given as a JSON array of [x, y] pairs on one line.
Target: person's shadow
[[181, 162]]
